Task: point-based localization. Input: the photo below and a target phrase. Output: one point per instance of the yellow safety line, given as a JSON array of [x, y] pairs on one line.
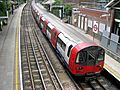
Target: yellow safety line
[[113, 71], [17, 57]]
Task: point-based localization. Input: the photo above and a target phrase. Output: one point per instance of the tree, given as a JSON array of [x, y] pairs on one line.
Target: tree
[[68, 9], [58, 2], [2, 8]]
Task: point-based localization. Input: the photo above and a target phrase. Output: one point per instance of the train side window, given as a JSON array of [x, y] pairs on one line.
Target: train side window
[[59, 41], [37, 17], [41, 25], [62, 44], [49, 29], [54, 34], [69, 50]]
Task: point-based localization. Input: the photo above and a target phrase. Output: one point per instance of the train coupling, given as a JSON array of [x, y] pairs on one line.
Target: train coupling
[[91, 77]]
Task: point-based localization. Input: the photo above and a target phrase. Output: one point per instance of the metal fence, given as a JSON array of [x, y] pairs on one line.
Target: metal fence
[[112, 47]]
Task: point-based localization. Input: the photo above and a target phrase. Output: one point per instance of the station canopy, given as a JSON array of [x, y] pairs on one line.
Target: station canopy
[[49, 2], [113, 3]]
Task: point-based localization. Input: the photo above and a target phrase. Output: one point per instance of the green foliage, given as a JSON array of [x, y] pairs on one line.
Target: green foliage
[[68, 9], [58, 2], [56, 12], [2, 9], [4, 5], [8, 6]]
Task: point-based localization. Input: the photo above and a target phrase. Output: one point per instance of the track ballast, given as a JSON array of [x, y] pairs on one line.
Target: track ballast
[[38, 72]]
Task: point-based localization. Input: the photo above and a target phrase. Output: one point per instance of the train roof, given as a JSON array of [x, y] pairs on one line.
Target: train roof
[[63, 27]]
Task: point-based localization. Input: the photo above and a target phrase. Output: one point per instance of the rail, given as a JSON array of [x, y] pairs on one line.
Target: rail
[[48, 60], [37, 69]]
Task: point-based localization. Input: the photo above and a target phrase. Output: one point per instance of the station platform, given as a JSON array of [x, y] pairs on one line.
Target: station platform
[[9, 72], [111, 65]]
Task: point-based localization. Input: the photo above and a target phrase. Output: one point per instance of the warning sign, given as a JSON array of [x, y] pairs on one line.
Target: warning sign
[[95, 27]]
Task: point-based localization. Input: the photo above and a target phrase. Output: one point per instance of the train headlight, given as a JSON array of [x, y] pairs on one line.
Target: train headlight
[[80, 68], [99, 66]]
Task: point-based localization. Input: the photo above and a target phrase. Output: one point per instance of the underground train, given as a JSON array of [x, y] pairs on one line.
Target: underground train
[[81, 56]]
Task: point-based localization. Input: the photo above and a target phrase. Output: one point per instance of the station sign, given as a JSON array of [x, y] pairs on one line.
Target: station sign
[[95, 27]]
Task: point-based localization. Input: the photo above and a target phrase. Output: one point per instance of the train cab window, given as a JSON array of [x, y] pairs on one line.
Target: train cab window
[[69, 50], [81, 57], [101, 55], [77, 59], [90, 57]]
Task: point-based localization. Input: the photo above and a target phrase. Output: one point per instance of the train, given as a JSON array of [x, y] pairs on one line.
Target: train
[[81, 56]]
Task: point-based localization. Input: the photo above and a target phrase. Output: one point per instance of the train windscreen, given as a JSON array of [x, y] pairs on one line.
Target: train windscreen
[[90, 56]]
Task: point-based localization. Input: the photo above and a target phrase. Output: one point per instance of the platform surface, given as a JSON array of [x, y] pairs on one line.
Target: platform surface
[[8, 50]]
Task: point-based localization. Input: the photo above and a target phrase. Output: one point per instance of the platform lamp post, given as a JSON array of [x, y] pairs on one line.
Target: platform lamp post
[[0, 20], [6, 7], [5, 3], [50, 5], [18, 2]]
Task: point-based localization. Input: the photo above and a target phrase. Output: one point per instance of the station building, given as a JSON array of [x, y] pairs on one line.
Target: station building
[[101, 23]]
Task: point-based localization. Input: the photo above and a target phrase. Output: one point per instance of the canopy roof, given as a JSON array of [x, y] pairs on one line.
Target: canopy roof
[[113, 3], [48, 2]]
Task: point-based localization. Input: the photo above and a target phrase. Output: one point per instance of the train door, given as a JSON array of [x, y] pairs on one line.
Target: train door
[[38, 16], [54, 36], [44, 23], [48, 30], [61, 47], [87, 59], [41, 25], [90, 59], [62, 41], [68, 52]]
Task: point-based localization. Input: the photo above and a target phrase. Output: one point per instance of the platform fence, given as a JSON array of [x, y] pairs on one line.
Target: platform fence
[[112, 47]]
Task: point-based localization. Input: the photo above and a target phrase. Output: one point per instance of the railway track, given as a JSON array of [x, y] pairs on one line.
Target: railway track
[[95, 84], [37, 70], [98, 85]]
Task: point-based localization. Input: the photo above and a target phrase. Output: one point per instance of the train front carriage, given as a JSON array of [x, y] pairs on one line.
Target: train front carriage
[[86, 59]]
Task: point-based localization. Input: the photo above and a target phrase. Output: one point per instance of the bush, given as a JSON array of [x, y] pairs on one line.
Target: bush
[[68, 9], [2, 9]]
